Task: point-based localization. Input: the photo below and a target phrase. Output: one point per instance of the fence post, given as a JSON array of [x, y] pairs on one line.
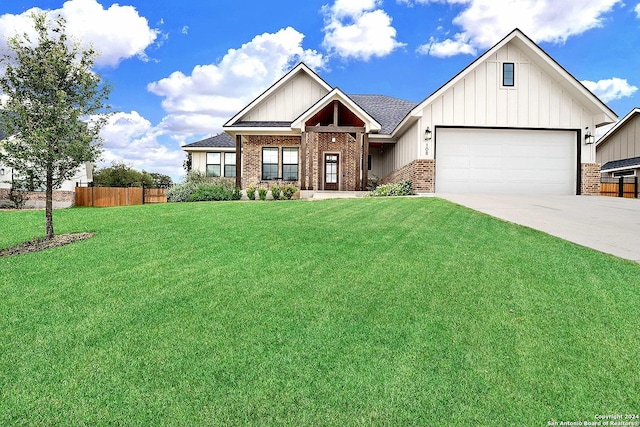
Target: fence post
[[143, 193], [621, 186], [635, 187]]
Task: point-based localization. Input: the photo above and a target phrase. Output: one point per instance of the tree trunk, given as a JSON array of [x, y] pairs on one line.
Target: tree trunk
[[49, 204]]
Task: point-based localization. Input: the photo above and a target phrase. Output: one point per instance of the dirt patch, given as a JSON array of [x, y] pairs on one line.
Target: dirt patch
[[44, 243]]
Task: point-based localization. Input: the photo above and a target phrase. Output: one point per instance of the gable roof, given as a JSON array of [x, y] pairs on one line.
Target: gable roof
[[536, 54], [371, 124], [630, 115], [300, 68], [614, 165], [386, 110], [222, 140]]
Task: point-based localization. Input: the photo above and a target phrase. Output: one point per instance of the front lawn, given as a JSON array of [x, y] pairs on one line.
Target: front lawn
[[409, 311]]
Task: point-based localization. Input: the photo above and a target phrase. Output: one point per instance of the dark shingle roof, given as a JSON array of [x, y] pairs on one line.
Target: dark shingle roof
[[220, 140], [388, 111], [624, 163]]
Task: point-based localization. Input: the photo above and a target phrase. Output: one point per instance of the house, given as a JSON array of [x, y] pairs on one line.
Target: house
[[618, 151], [62, 197], [513, 121]]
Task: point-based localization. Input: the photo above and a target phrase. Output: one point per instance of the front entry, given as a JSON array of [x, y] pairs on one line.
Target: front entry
[[331, 171]]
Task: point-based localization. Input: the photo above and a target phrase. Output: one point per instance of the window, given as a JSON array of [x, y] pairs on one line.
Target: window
[[290, 164], [508, 74], [269, 163], [213, 164], [369, 162], [628, 172], [230, 165]]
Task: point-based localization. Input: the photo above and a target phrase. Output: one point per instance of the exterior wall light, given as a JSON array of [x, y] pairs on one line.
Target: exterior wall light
[[427, 134], [588, 138], [1, 171]]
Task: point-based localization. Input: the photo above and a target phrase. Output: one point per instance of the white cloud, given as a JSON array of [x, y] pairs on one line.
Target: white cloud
[[485, 22], [356, 29], [130, 138], [610, 89], [637, 9], [116, 33], [442, 49], [203, 101]]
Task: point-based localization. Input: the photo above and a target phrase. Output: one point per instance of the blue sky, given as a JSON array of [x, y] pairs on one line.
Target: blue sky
[[180, 69]]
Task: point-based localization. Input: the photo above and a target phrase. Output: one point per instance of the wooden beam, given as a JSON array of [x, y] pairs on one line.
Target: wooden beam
[[303, 161], [335, 113], [365, 167], [239, 161], [359, 163], [335, 129]]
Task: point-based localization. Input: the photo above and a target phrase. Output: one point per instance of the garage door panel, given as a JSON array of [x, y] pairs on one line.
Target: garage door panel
[[506, 161]]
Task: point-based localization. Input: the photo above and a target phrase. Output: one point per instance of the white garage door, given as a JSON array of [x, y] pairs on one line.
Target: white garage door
[[505, 161]]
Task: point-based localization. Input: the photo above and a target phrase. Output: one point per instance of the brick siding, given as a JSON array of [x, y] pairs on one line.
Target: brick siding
[[345, 146], [420, 172], [252, 158], [590, 182]]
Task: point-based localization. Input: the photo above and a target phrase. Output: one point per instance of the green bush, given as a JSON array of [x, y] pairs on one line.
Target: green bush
[[181, 192], [288, 191], [262, 193], [217, 191], [402, 188], [275, 192], [251, 192], [198, 187]]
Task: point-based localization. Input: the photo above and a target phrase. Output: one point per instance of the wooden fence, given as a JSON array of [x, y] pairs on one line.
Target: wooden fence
[[619, 187], [114, 196]]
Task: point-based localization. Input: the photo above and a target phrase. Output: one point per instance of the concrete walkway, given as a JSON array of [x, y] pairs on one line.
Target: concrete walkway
[[607, 224]]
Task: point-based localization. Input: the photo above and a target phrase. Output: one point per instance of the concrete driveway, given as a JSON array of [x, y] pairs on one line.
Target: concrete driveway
[[607, 224]]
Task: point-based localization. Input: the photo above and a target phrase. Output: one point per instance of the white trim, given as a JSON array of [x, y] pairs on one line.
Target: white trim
[[618, 125], [371, 125], [630, 167], [300, 68], [521, 41]]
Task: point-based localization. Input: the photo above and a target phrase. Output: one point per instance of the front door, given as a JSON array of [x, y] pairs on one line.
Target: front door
[[331, 171]]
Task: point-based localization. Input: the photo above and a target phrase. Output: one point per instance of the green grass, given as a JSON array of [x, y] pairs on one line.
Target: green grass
[[408, 311]]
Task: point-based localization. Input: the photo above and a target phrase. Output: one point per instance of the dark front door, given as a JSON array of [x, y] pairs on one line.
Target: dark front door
[[331, 171]]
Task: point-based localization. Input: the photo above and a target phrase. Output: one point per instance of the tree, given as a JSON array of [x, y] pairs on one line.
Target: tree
[[52, 93], [121, 175]]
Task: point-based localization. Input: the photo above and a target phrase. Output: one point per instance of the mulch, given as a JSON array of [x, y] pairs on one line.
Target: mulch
[[44, 243]]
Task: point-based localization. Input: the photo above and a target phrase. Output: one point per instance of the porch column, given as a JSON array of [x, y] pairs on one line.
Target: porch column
[[365, 158], [303, 161], [239, 161], [359, 161]]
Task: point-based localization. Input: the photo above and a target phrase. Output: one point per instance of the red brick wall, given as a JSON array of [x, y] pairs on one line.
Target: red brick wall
[[345, 146], [420, 172], [590, 184], [252, 157]]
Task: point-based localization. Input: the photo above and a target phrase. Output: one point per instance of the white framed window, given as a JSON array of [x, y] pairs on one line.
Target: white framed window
[[213, 164], [289, 164], [269, 163], [230, 165]]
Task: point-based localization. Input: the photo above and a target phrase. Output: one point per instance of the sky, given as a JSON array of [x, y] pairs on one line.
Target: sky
[[181, 68]]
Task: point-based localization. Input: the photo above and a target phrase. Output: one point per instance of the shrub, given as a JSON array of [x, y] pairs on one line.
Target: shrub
[[373, 183], [288, 191], [262, 193], [222, 189], [275, 192], [402, 188], [251, 192], [18, 194], [181, 192], [198, 187]]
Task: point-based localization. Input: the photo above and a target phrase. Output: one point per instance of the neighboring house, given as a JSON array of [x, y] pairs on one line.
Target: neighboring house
[[61, 196], [513, 121], [618, 151]]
